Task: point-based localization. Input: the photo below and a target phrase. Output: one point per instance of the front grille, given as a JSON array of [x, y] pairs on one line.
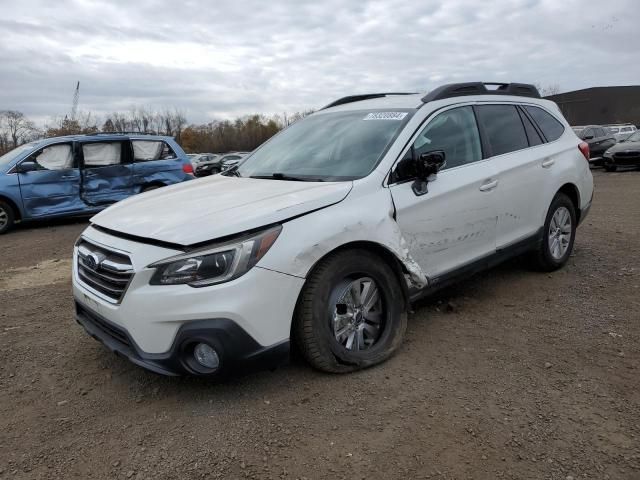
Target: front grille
[[103, 270], [106, 327], [627, 154]]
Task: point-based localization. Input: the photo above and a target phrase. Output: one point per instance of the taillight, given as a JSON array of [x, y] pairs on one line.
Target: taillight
[[584, 149], [188, 168]]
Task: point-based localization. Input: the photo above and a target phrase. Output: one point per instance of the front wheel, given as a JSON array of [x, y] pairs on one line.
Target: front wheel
[[7, 217], [559, 233], [351, 313]]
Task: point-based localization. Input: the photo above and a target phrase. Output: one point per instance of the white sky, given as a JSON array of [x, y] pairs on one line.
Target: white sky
[[220, 59]]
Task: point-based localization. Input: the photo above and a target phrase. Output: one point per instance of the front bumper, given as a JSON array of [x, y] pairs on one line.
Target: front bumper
[[244, 319], [237, 350]]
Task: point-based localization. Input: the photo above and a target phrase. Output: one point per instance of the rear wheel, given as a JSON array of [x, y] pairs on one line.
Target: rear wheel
[[558, 235], [7, 217], [350, 314]]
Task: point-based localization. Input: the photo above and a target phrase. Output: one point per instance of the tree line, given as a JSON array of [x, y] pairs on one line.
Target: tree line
[[242, 134]]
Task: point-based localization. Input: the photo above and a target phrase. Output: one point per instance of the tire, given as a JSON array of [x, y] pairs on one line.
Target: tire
[[152, 187], [610, 168], [555, 247], [326, 308], [7, 217]]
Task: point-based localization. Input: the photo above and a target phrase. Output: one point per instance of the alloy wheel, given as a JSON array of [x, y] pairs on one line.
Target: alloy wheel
[[559, 235], [357, 313]]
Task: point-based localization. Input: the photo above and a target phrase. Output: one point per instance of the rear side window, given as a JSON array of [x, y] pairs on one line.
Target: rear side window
[[102, 154], [551, 128], [503, 128], [149, 150], [532, 134], [54, 157]]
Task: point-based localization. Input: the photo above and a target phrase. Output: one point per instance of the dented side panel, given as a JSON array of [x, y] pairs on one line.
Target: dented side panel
[[366, 215]]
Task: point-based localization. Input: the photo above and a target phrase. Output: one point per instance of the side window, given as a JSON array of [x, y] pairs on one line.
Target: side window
[[503, 127], [54, 157], [532, 133], [456, 133], [551, 128], [167, 152], [600, 132], [146, 150], [102, 154]]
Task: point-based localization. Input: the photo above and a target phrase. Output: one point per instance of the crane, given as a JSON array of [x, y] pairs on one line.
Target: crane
[[74, 104]]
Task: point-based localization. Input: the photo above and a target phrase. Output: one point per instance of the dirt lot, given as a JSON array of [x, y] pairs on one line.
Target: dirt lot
[[511, 374]]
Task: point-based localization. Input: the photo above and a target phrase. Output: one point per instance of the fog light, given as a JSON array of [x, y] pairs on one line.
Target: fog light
[[206, 356]]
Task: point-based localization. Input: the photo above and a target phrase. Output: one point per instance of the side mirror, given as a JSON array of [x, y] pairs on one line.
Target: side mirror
[[427, 165], [588, 137], [27, 166]]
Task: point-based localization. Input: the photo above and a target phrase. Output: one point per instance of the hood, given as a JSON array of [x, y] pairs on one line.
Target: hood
[[625, 146], [217, 206]]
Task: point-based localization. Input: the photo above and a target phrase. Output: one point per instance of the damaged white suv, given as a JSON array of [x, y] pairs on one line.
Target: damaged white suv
[[324, 235]]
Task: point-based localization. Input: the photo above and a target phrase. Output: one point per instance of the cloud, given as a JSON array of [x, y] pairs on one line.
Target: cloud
[[227, 58]]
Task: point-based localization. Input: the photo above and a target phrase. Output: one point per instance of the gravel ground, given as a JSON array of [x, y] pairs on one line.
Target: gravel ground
[[511, 374]]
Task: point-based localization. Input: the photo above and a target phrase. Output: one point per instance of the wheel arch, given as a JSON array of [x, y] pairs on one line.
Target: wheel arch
[[153, 183], [16, 210], [381, 251], [571, 191]]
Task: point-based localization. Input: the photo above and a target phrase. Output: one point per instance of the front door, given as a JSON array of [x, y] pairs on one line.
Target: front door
[[454, 223], [54, 188], [106, 172]]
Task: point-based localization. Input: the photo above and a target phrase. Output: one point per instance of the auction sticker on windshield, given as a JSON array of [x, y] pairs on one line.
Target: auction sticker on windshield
[[385, 116]]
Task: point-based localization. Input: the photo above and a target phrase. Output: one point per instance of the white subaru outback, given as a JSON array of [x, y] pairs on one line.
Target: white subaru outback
[[324, 235]]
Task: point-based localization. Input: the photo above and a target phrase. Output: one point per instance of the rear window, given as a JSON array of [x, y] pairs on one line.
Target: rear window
[[551, 128], [149, 150], [503, 127]]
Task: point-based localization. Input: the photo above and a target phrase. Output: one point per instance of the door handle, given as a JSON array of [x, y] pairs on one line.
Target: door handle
[[488, 185], [548, 162]]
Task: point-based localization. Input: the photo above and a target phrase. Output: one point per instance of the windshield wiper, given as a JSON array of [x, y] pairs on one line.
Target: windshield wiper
[[233, 171], [283, 176]]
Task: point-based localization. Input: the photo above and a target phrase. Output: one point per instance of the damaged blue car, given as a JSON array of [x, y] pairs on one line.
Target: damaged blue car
[[82, 174]]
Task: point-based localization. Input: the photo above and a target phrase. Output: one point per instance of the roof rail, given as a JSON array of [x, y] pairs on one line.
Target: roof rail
[[479, 88], [122, 133], [366, 96]]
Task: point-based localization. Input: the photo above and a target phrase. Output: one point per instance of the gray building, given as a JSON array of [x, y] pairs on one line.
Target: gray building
[[600, 105]]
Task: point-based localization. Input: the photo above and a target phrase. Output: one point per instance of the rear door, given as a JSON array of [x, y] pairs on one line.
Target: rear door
[[54, 188], [106, 171], [522, 162], [454, 223]]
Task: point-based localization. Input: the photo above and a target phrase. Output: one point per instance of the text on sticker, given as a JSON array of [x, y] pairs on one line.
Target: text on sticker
[[385, 116]]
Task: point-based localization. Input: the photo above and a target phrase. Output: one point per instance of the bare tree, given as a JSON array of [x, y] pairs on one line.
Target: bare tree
[[18, 127]]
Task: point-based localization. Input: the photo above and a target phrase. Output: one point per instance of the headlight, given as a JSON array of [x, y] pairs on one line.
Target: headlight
[[213, 265]]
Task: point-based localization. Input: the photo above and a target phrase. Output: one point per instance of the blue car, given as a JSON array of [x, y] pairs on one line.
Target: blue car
[[82, 174]]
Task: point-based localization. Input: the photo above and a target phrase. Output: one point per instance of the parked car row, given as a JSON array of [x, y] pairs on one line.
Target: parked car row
[[83, 174], [218, 164], [606, 150]]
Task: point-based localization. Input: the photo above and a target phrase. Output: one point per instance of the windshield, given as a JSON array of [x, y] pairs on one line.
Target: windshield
[[327, 147], [577, 130], [634, 137], [16, 152]]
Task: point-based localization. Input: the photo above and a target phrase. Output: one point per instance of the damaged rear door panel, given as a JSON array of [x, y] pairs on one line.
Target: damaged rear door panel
[[106, 171]]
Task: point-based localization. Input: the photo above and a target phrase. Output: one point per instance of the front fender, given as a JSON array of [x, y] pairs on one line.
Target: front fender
[[367, 217]]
